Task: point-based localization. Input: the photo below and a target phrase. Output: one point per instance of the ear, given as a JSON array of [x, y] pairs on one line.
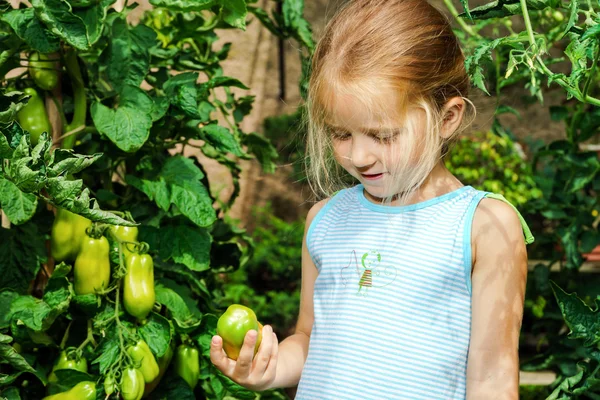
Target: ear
[[453, 113]]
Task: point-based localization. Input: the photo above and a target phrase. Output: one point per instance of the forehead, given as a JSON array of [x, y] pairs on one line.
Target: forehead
[[376, 107]]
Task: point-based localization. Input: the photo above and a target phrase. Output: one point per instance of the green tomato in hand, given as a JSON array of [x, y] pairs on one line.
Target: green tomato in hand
[[233, 326]]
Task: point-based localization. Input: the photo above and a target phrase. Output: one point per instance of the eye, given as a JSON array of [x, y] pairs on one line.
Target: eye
[[385, 138], [340, 135]]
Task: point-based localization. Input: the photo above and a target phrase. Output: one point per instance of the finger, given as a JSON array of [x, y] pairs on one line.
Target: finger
[[272, 367], [218, 356], [261, 359], [244, 361]]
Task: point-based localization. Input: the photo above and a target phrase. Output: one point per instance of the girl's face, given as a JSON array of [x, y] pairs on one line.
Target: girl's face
[[378, 151]]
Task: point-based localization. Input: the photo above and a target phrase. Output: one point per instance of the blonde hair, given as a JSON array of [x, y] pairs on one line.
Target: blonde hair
[[405, 45]]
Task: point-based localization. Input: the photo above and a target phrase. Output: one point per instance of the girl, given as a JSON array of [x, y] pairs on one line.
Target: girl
[[412, 283]]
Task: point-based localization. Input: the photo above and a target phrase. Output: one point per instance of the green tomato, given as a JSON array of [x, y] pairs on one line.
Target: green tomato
[[187, 364], [33, 117], [92, 266], [142, 356], [233, 325], [85, 390], [65, 362], [42, 68], [132, 384]]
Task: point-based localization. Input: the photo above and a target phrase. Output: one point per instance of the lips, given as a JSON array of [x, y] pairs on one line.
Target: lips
[[372, 176]]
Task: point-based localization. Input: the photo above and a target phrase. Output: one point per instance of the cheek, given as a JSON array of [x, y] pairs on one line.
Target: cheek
[[341, 151]]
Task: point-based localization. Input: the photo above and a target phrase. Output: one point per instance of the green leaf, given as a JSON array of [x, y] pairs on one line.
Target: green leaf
[[108, 351], [10, 104], [236, 390], [67, 378], [6, 298], [264, 151], [185, 5], [128, 57], [19, 207], [70, 195], [222, 139], [11, 393], [177, 306], [293, 18], [30, 311], [8, 355], [58, 16], [234, 13], [31, 30], [129, 125], [186, 245], [583, 322], [573, 16], [93, 17], [157, 332], [473, 63], [66, 161], [88, 303], [10, 138], [57, 293], [179, 183], [172, 386], [558, 113], [22, 251], [465, 4]]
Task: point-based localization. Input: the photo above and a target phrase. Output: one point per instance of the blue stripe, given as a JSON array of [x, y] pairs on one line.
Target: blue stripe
[[406, 335], [467, 247]]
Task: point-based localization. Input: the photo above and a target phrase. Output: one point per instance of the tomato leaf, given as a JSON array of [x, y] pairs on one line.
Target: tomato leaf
[[583, 322], [108, 351], [157, 331], [80, 29], [127, 126], [22, 252], [222, 139], [177, 306], [185, 5], [127, 54], [30, 29], [295, 24], [234, 13], [19, 207], [179, 183]]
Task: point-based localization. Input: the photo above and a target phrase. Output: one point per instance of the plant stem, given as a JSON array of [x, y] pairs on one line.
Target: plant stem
[[467, 28], [89, 338], [573, 90], [63, 343], [79, 99], [592, 72]]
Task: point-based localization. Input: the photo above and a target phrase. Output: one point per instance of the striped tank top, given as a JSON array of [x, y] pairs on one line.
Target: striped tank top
[[392, 300]]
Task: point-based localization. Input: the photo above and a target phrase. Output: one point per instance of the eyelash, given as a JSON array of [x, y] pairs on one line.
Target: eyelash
[[342, 136]]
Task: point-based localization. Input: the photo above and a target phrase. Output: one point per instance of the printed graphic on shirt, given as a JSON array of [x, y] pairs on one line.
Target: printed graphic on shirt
[[372, 272]]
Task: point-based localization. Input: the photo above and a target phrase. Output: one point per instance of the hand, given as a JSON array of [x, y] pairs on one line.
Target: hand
[[254, 374]]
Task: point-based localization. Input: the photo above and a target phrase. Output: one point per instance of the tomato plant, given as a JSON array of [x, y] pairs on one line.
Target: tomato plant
[[557, 49], [113, 236]]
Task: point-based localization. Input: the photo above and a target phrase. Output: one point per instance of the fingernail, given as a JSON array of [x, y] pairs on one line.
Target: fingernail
[[215, 340]]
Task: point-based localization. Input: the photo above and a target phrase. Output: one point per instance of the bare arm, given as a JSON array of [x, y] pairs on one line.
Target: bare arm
[[498, 281], [275, 364], [294, 349]]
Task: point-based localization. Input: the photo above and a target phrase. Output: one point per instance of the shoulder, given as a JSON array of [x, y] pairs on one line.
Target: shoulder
[[496, 228], [314, 210]]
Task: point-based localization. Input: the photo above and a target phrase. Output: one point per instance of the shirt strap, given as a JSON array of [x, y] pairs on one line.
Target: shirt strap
[[528, 235]]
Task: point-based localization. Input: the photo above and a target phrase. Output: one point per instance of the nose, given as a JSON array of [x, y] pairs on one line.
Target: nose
[[361, 155]]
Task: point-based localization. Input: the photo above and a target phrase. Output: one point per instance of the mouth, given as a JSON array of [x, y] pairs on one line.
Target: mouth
[[372, 177]]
